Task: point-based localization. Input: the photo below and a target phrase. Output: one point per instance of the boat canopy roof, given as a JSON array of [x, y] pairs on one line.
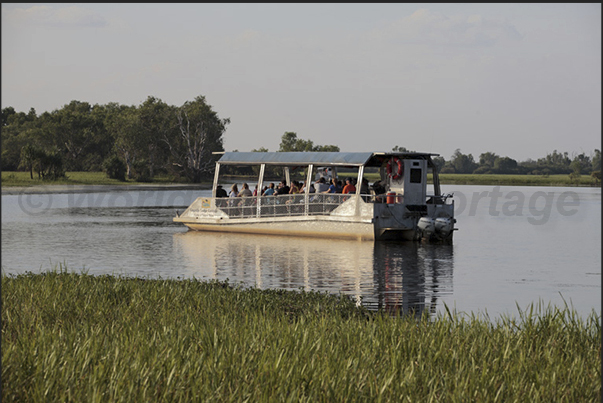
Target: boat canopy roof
[[316, 158]]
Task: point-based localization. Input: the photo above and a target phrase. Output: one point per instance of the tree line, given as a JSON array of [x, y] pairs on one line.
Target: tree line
[[154, 138], [492, 163], [134, 142], [553, 163]]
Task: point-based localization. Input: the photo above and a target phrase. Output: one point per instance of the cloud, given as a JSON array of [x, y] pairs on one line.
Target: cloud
[[72, 16], [426, 28]]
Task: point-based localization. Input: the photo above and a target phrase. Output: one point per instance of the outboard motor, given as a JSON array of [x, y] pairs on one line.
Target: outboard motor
[[427, 227], [443, 227]]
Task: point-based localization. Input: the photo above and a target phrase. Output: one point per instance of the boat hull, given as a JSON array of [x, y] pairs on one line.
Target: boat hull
[[323, 227]]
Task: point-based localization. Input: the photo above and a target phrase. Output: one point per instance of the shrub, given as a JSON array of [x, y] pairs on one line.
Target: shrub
[[115, 168], [483, 170], [142, 172]]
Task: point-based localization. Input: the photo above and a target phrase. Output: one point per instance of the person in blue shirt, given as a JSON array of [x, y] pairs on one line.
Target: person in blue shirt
[[336, 186], [269, 191]]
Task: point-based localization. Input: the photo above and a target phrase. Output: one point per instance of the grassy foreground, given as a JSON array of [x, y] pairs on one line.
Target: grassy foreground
[[75, 337], [100, 178]]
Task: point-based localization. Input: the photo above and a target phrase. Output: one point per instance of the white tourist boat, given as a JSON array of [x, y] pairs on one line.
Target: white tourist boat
[[397, 206]]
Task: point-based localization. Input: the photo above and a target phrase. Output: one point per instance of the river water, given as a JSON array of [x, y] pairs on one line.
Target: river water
[[515, 246]]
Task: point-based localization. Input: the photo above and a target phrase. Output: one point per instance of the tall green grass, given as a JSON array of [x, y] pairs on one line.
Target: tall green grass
[[79, 338]]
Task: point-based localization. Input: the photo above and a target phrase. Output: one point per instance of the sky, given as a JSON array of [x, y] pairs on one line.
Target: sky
[[519, 80]]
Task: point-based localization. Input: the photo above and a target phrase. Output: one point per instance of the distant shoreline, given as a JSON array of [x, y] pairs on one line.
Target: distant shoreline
[[55, 189], [91, 182]]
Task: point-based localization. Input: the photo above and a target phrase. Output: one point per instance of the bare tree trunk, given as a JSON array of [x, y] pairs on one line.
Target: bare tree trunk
[[151, 160], [128, 164]]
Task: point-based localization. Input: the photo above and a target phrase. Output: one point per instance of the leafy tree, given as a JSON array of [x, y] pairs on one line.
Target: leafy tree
[[74, 131], [555, 163], [10, 117], [21, 130], [123, 123], [290, 142], [439, 162], [199, 134], [581, 164], [6, 115], [13, 141], [102, 140], [156, 120], [51, 164], [29, 154], [462, 163], [48, 164], [115, 168], [398, 149], [327, 148], [596, 160], [505, 165], [487, 159]]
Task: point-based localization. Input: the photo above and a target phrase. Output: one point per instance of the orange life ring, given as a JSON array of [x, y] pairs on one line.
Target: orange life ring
[[400, 168]]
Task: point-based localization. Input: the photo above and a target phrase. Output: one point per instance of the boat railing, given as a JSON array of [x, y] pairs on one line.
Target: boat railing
[[281, 205], [313, 204]]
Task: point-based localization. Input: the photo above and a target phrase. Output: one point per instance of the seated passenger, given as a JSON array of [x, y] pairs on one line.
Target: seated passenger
[[234, 190], [379, 189], [335, 186], [234, 193], [349, 187], [283, 189], [269, 191], [294, 188], [245, 192], [364, 187], [321, 186], [303, 186], [246, 200], [220, 192]]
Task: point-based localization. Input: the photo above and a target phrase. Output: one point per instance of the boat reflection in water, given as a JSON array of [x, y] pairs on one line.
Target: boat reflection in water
[[397, 277], [410, 277]]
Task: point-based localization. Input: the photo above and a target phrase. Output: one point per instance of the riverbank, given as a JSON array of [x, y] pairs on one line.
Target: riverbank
[[77, 337], [55, 189], [87, 182], [518, 180]]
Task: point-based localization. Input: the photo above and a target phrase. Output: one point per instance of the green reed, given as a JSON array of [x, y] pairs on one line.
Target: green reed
[[72, 337]]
